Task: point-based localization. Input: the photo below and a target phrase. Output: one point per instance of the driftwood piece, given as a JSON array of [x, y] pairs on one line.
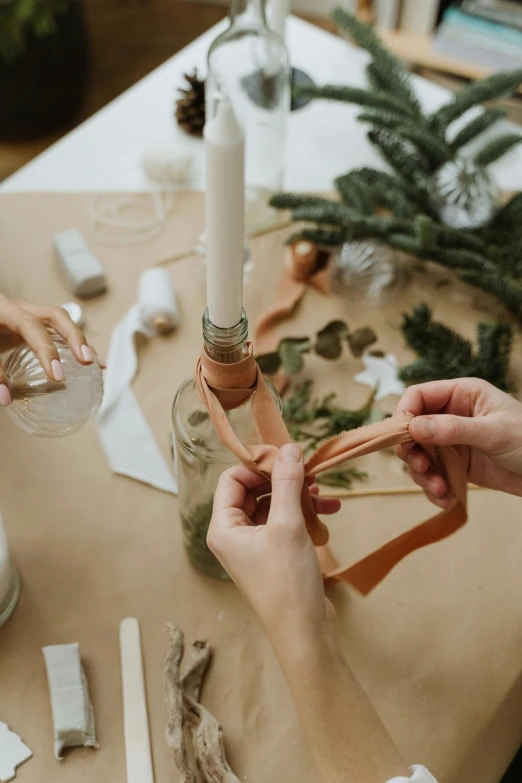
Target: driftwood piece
[[175, 706], [182, 695]]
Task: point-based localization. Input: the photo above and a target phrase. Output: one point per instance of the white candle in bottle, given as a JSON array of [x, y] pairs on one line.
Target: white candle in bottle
[[225, 218], [279, 10]]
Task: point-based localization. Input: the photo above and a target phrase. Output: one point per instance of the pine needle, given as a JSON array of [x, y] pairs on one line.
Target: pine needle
[[496, 148], [496, 86], [475, 127]]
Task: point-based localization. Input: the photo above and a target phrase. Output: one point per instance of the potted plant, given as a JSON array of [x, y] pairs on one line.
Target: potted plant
[[43, 65]]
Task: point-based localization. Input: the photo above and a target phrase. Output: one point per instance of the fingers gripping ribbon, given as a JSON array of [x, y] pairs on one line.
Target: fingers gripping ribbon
[[223, 387]]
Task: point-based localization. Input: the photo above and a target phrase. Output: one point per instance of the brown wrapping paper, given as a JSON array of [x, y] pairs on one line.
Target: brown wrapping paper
[[437, 646]]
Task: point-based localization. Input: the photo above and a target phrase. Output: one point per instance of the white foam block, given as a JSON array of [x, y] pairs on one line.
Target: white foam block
[[73, 715], [13, 752], [82, 271]]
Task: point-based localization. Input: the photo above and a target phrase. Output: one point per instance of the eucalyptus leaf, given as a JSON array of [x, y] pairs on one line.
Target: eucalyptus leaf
[[360, 340], [329, 346], [269, 363], [334, 327], [291, 357]]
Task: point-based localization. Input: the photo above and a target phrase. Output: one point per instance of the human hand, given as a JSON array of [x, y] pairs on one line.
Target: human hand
[[483, 423], [263, 544], [21, 322]]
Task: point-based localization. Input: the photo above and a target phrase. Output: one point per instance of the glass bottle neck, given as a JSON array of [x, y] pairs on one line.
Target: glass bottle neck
[[248, 10], [227, 346]]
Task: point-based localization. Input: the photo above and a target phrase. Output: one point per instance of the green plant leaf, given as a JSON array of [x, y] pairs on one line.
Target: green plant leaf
[[197, 417], [360, 340], [291, 352], [269, 363]]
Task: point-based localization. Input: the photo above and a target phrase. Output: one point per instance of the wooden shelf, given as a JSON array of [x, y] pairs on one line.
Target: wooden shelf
[[419, 50]]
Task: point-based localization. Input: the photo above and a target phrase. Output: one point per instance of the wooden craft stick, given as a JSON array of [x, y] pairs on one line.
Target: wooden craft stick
[[136, 722], [367, 493]]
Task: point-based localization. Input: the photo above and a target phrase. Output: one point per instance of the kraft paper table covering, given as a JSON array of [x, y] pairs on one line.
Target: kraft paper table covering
[[437, 645]]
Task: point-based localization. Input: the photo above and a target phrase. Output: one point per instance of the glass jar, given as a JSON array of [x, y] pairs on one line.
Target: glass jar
[[47, 408], [9, 579], [200, 458], [248, 64]]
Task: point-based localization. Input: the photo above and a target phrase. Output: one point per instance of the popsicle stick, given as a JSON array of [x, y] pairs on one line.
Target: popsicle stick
[[136, 722], [367, 493]]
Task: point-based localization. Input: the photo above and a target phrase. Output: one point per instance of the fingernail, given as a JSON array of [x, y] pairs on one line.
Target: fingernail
[[425, 427], [5, 395], [57, 369], [87, 354], [290, 453]]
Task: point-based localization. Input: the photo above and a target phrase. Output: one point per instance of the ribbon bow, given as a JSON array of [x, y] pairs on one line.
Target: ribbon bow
[[223, 387], [305, 264]]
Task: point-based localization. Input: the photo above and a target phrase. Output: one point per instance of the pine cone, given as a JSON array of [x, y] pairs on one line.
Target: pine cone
[[190, 107]]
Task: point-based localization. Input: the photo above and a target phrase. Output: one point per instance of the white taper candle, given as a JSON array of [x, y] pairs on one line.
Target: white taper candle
[[279, 10], [225, 218]]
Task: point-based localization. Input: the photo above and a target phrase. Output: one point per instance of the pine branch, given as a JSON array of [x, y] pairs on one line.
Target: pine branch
[[400, 156], [374, 77], [428, 145], [426, 231], [475, 127], [388, 191], [355, 95], [355, 193], [459, 238], [409, 244], [461, 258], [509, 217], [390, 71], [496, 148], [443, 353], [382, 119], [506, 289], [331, 213], [297, 200], [320, 236], [495, 343], [496, 86]]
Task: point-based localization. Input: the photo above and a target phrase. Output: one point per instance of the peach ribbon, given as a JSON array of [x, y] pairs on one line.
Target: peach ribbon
[[223, 387], [305, 264]]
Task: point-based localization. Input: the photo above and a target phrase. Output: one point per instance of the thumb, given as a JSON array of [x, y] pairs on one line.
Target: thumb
[[448, 430], [287, 486]]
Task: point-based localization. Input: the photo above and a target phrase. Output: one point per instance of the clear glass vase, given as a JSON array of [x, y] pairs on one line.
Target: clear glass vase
[[248, 64], [44, 407], [200, 458]]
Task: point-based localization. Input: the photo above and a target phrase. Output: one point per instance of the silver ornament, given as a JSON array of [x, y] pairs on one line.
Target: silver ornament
[[466, 195], [368, 265]]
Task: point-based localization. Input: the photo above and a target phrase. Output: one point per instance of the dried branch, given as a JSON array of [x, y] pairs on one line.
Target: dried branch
[[176, 712]]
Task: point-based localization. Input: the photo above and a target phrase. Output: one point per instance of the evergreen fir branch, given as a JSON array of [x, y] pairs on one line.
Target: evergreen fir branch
[[508, 290], [461, 258], [495, 342], [388, 191], [475, 127], [355, 95], [428, 144], [459, 238], [497, 148], [382, 119], [331, 238], [426, 231], [355, 193], [331, 214], [374, 77], [496, 86], [390, 71], [297, 200], [408, 244], [509, 217], [399, 155], [443, 353], [376, 226]]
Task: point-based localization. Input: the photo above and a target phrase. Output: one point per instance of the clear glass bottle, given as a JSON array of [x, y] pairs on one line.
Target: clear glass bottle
[[9, 579], [43, 407], [200, 458], [248, 64]]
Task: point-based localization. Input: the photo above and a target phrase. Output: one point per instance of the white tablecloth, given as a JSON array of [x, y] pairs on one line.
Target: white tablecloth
[[324, 139]]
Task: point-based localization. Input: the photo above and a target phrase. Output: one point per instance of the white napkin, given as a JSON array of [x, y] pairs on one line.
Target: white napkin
[[13, 752], [123, 431]]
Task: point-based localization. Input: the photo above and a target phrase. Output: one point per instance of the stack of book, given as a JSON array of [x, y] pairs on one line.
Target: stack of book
[[487, 32]]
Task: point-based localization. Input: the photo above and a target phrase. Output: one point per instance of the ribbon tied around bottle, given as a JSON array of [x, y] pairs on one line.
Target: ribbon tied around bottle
[[223, 387]]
